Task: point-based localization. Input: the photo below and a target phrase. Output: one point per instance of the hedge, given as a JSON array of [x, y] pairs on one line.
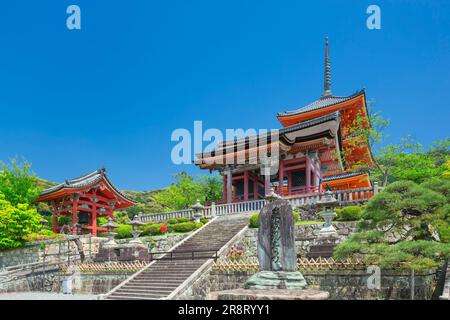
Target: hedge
[[186, 226], [350, 213], [123, 231]]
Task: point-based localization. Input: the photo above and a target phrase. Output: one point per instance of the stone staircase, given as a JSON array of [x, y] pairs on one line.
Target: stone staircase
[[163, 278]]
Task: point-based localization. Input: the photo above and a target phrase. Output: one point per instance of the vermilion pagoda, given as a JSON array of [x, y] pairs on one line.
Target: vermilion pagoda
[[317, 147], [84, 199]]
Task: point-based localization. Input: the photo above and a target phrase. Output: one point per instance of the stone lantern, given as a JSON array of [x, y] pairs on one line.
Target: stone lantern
[[135, 223], [110, 226], [197, 207], [327, 203]]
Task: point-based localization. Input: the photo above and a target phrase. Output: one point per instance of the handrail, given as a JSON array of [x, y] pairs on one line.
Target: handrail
[[215, 256]]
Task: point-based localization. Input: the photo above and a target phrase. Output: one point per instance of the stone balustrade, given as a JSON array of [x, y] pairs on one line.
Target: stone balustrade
[[345, 197]]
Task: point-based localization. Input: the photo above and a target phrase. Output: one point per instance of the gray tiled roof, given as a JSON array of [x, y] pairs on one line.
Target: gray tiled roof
[[310, 123], [323, 102], [82, 181], [342, 175]]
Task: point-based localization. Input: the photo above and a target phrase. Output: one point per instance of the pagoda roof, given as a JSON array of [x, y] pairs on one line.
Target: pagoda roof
[[310, 123], [322, 102], [343, 175], [82, 182]]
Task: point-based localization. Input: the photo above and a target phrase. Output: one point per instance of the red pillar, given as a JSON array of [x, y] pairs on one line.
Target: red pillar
[[74, 214], [289, 182], [224, 187], [246, 186], [55, 218], [308, 174], [281, 178], [229, 186], [94, 219]]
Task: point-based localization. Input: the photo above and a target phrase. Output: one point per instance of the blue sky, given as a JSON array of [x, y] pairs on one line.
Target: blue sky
[[112, 93]]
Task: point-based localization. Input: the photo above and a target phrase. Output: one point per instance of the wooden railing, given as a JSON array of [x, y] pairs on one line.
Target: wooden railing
[[344, 197]]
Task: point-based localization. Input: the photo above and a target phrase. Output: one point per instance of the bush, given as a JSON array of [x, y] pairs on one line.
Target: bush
[[123, 231], [64, 220], [43, 235], [101, 220], [181, 220], [16, 222], [172, 221], [350, 213], [439, 185], [296, 215], [186, 226], [152, 229], [253, 221], [204, 220]]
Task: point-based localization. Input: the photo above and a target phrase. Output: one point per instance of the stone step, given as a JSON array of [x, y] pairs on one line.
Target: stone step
[[132, 297], [163, 292], [167, 272], [175, 268], [154, 286], [165, 275], [147, 294]]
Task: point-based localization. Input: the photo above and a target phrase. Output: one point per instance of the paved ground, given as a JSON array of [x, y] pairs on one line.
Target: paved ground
[[45, 296]]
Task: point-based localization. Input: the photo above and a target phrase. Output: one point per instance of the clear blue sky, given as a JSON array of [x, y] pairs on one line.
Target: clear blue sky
[[112, 93]]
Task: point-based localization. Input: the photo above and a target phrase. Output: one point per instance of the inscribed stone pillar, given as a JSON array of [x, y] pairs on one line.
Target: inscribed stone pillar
[[276, 242]]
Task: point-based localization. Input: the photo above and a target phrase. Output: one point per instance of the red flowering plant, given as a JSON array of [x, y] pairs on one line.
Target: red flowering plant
[[163, 228], [234, 253]]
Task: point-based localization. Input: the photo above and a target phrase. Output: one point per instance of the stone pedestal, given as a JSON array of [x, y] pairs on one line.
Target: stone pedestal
[[270, 294], [264, 280]]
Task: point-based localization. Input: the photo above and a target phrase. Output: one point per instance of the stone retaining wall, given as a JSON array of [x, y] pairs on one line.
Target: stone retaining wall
[[305, 236], [91, 284], [34, 252], [341, 284]]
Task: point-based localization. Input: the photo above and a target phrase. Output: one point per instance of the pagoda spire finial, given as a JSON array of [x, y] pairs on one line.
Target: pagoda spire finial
[[327, 72]]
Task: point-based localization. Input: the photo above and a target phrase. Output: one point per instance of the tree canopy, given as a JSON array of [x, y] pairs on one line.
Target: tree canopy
[[186, 190], [404, 226]]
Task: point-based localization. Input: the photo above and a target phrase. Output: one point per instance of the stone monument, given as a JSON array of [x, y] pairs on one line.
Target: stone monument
[[278, 278], [276, 248]]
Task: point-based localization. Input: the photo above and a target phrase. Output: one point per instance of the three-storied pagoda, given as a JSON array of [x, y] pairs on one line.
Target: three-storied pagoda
[[320, 145], [84, 199]]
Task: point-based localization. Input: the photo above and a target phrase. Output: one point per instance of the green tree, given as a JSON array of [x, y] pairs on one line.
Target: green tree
[[405, 226], [18, 183], [408, 160], [16, 222], [186, 190]]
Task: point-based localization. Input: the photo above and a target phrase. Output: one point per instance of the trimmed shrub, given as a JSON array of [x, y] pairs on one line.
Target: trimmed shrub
[[204, 220], [42, 235], [123, 231], [253, 221], [181, 220], [350, 213], [152, 229], [172, 221], [186, 226], [296, 215]]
